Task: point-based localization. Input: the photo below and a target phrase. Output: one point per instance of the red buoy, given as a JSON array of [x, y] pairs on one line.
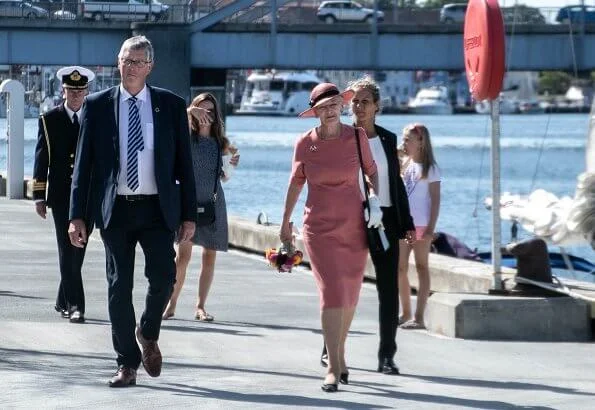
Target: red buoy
[[484, 43]]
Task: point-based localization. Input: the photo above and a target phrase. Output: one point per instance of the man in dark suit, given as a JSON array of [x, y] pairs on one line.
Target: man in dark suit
[[133, 157], [54, 160]]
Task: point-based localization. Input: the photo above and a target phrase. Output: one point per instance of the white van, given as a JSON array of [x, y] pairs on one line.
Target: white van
[[129, 10]]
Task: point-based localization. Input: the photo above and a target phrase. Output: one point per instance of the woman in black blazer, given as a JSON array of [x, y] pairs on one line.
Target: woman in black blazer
[[396, 219]]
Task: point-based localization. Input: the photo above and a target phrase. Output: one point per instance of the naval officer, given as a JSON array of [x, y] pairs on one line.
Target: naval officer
[[52, 176]]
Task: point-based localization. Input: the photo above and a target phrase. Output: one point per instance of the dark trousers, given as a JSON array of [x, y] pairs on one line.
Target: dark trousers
[[135, 222], [386, 266], [70, 290]]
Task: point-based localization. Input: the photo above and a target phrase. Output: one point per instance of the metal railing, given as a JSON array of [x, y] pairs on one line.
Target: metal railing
[[298, 12]]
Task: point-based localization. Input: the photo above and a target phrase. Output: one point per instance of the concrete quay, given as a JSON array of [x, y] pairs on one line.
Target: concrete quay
[[461, 304], [261, 352]]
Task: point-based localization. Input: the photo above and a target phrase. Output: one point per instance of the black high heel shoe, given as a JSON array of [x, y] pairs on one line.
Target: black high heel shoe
[[344, 378], [324, 357], [330, 387]]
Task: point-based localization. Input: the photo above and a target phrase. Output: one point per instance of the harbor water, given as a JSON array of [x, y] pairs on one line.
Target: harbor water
[[537, 151]]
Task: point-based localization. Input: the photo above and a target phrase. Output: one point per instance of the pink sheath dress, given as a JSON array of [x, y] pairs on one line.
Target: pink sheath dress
[[334, 231]]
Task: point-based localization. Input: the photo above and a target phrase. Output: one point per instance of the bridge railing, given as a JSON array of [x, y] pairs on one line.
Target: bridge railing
[[303, 12], [299, 12]]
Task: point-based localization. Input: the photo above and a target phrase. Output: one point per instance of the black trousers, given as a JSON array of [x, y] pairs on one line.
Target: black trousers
[[386, 266], [70, 290], [135, 222]]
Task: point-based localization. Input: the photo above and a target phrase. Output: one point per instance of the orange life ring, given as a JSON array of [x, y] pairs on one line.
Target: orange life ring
[[484, 43]]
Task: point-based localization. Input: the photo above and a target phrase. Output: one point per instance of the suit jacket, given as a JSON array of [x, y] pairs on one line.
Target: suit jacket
[[54, 157], [97, 164], [398, 194]]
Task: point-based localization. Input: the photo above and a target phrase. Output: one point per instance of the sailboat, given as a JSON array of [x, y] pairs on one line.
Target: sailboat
[[564, 221]]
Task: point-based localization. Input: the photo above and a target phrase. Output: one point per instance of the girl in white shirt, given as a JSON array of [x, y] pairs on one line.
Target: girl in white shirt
[[422, 182]]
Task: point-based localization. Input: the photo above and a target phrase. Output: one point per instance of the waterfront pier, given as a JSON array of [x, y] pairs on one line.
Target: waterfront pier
[[261, 351]]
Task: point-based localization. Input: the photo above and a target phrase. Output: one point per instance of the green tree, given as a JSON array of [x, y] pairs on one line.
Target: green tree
[[554, 82]]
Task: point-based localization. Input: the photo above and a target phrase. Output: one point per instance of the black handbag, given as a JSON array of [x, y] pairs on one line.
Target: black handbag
[[205, 211], [377, 241]]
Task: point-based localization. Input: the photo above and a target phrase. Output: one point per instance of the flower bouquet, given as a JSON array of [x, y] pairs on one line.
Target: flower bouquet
[[284, 258]]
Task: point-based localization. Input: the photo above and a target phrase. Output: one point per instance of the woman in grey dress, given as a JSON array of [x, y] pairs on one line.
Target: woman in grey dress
[[208, 144]]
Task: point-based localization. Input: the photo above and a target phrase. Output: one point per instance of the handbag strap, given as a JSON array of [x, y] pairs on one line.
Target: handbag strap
[[217, 171], [361, 164]]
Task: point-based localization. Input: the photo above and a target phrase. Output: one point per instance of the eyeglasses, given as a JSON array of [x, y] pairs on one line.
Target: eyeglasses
[[136, 63]]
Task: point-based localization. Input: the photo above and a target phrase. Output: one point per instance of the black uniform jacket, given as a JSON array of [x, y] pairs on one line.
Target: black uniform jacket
[[398, 194], [54, 157]]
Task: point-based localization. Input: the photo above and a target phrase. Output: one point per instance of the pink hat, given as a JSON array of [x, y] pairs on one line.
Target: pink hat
[[322, 93]]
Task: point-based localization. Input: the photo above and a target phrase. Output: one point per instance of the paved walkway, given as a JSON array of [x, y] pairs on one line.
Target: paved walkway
[[261, 351]]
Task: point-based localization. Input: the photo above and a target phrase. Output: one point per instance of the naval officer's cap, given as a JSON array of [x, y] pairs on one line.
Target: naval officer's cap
[[75, 77]]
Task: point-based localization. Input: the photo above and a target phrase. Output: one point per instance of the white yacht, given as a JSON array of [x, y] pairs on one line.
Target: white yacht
[[277, 93], [431, 101], [508, 105]]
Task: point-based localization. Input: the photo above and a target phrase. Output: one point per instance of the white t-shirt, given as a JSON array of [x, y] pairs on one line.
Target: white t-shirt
[[418, 191], [383, 191]]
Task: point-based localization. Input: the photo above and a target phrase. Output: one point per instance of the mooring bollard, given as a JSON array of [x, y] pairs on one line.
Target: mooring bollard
[[16, 138]]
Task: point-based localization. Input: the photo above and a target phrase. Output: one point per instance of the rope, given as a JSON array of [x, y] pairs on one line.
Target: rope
[[512, 32], [474, 213], [547, 126], [571, 35]]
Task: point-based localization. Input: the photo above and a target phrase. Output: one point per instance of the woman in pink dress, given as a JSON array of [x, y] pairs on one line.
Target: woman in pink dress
[[326, 157]]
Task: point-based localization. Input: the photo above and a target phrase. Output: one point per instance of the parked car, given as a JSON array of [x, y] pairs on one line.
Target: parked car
[[523, 15], [63, 15], [346, 10], [573, 14], [453, 13], [98, 10], [18, 8]]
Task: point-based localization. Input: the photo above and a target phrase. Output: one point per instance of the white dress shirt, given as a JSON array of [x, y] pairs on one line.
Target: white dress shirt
[[146, 157], [71, 113]]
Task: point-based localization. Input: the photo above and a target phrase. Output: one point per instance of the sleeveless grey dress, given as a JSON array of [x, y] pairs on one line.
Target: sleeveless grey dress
[[205, 164]]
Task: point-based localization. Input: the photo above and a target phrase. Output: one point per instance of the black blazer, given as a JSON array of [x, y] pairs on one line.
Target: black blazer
[[54, 157], [398, 194], [97, 164]]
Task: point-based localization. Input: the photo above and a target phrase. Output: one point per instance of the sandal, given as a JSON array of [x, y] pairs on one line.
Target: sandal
[[167, 315], [412, 325], [402, 320], [203, 316]]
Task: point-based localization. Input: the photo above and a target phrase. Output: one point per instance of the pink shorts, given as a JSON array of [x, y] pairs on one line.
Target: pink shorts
[[419, 232]]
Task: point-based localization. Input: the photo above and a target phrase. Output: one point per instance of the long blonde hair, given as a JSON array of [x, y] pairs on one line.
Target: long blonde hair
[[217, 128], [421, 132]]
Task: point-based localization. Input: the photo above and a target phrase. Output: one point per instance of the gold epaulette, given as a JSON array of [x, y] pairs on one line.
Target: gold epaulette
[[39, 185], [47, 137]]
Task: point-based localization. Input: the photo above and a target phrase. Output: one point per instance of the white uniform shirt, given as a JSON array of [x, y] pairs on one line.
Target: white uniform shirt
[[146, 157]]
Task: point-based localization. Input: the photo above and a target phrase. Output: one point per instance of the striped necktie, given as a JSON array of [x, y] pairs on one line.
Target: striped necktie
[[135, 144]]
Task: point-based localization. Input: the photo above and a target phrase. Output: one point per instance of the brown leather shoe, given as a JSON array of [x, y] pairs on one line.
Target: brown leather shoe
[[124, 377], [151, 356]]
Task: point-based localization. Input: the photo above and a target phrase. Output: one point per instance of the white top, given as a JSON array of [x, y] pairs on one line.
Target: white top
[[383, 189], [146, 157], [418, 191]]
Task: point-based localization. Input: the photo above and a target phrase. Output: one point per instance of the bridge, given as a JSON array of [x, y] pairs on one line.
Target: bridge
[[216, 42]]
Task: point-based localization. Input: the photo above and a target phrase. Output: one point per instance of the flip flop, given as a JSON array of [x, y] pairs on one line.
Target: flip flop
[[412, 325], [402, 320], [167, 315], [203, 316]]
